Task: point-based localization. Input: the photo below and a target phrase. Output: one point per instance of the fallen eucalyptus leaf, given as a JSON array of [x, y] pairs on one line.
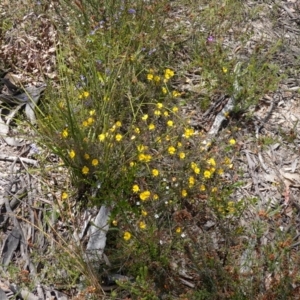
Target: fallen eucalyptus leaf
[[10, 245]]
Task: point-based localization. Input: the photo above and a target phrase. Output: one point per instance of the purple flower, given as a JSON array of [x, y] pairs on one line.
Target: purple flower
[[82, 82], [210, 39], [132, 11], [151, 51], [34, 149], [101, 24]]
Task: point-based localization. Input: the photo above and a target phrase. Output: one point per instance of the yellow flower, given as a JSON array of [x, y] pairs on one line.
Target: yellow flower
[[147, 157], [179, 144], [86, 156], [207, 174], [144, 157], [119, 137], [85, 124], [144, 213], [141, 157], [178, 230], [193, 165], [231, 209], [175, 94], [145, 195], [65, 133], [158, 139], [202, 188], [142, 225], [227, 161], [191, 181], [90, 121], [95, 162], [72, 154], [145, 117], [164, 90], [220, 171], [101, 137], [64, 196], [132, 164], [92, 112], [170, 123], [188, 132], [211, 162], [155, 172], [155, 197], [157, 112], [141, 148], [106, 98], [118, 124], [166, 114], [85, 170], [137, 130], [115, 222], [159, 105], [151, 126], [183, 193], [127, 236], [232, 142], [84, 95], [181, 155], [197, 170], [150, 76], [168, 74], [225, 70], [61, 105], [171, 150], [214, 189], [175, 109], [156, 78], [135, 188]]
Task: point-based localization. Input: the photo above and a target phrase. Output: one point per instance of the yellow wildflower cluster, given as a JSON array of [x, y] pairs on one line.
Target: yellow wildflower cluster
[[188, 132], [171, 150], [145, 195], [168, 74], [88, 122], [157, 79], [144, 157], [84, 94], [109, 134], [195, 168]]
